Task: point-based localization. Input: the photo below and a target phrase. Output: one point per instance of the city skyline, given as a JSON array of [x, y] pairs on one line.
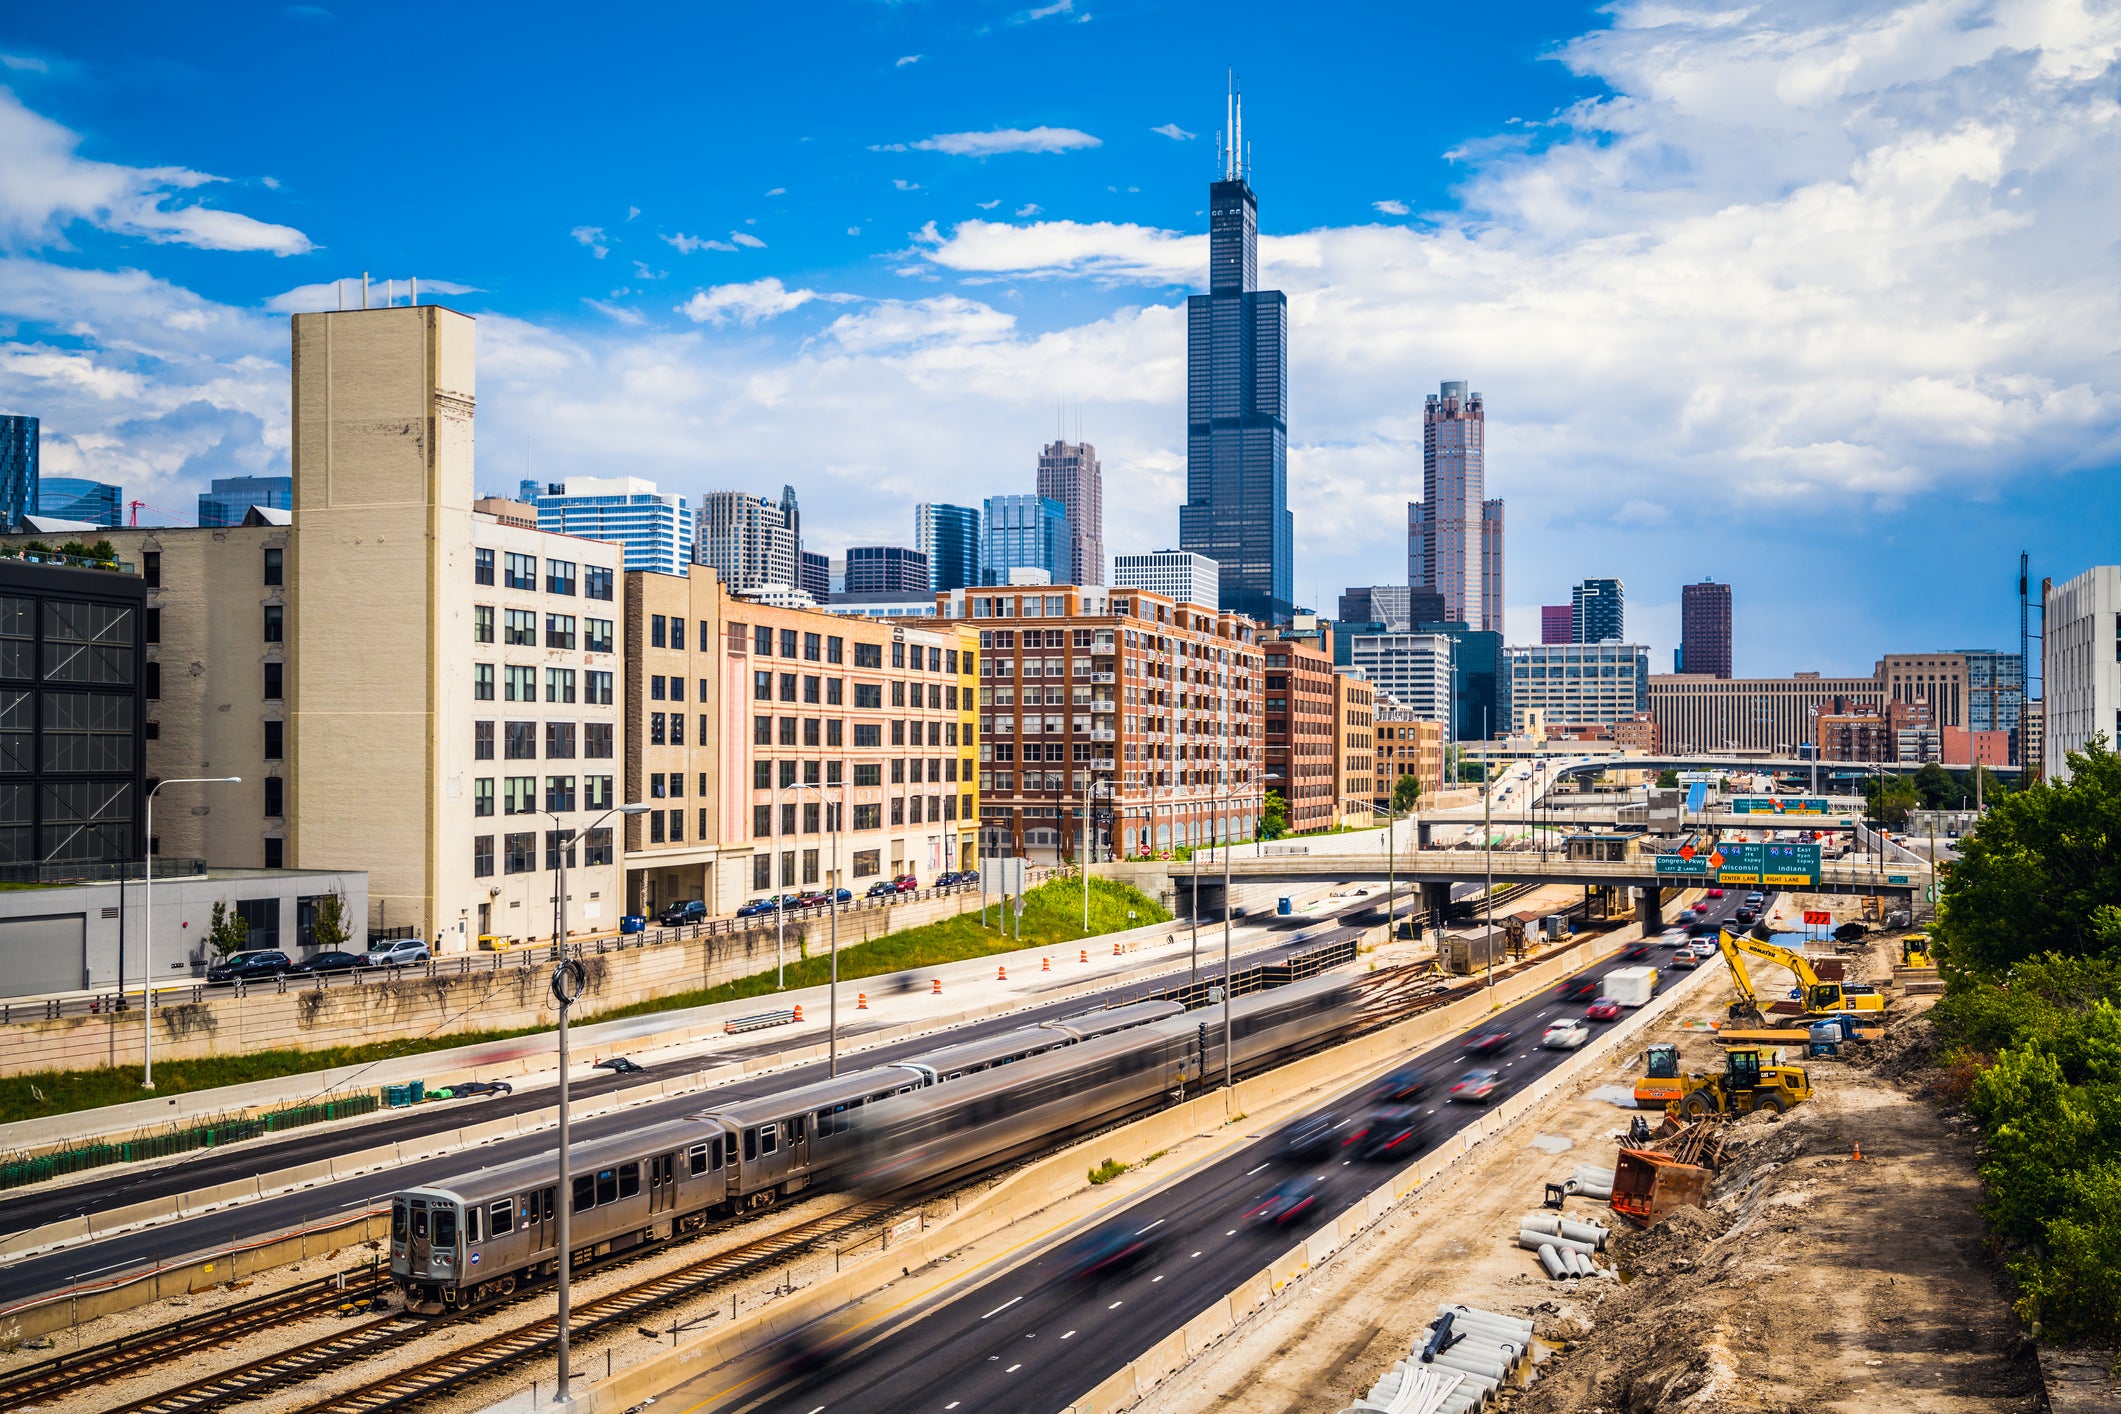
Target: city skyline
[[155, 313]]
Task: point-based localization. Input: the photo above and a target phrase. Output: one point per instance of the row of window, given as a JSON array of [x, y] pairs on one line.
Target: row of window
[[519, 629], [521, 740], [830, 648], [823, 817], [866, 734], [520, 571], [520, 684], [519, 794], [829, 692], [519, 852]]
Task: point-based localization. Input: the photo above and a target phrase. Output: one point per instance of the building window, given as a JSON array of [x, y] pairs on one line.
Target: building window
[[482, 741], [868, 817], [519, 571], [151, 568], [596, 793], [152, 681], [868, 734], [813, 647], [868, 773], [275, 741], [559, 577], [482, 566], [482, 796], [596, 688], [559, 684], [761, 872], [275, 796], [762, 641], [559, 741], [868, 862], [788, 636], [275, 622], [677, 827], [559, 794], [559, 631], [762, 731], [520, 628], [655, 631], [153, 626], [275, 566], [519, 794], [869, 694], [677, 633], [596, 845], [522, 852], [833, 688], [482, 857], [522, 738], [275, 854], [522, 683], [596, 635], [481, 681], [482, 623], [834, 649], [868, 655], [655, 729], [596, 583], [787, 731], [810, 866], [677, 728]]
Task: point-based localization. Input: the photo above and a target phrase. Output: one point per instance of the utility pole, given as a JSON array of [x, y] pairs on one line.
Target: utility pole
[[1487, 828], [147, 920]]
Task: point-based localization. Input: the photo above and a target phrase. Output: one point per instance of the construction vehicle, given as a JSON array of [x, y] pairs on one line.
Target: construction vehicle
[[1817, 996], [1662, 1085], [1745, 1087], [1915, 951]]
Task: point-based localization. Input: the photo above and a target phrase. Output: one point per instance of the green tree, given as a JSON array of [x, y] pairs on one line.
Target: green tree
[[1888, 799], [2042, 874], [1668, 779], [1274, 819], [327, 928], [1406, 793], [228, 932], [1939, 791]]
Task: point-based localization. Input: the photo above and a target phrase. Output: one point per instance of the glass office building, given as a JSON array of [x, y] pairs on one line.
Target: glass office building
[[18, 468], [949, 536], [229, 498], [1025, 532], [74, 498], [656, 529]]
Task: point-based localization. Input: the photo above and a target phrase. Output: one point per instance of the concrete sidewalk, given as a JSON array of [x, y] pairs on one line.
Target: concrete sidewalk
[[970, 990]]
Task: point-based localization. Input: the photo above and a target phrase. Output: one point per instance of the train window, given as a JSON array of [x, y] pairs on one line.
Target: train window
[[585, 1193], [548, 1205], [419, 1222], [769, 1138], [608, 1184], [697, 1156], [751, 1145], [629, 1180], [798, 1126], [445, 1227], [717, 1152], [474, 1225], [397, 1222], [502, 1215]]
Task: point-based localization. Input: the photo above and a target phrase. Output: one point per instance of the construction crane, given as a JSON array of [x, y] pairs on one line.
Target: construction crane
[[1820, 997], [133, 509]]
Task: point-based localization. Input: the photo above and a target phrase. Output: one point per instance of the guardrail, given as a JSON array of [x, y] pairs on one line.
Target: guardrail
[[18, 1173], [461, 964]]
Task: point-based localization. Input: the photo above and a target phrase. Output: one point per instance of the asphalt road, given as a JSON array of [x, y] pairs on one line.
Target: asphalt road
[[102, 1189], [1032, 1338]]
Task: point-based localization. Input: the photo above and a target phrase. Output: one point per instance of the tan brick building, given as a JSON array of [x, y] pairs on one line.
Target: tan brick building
[[1354, 750], [1406, 745], [1299, 721], [673, 761]]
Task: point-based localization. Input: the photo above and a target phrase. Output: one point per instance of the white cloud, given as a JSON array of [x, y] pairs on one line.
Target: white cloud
[[632, 212], [905, 59], [988, 205], [1391, 207], [854, 230], [1000, 140], [745, 238], [777, 191], [1043, 12], [897, 324], [747, 303], [593, 238], [630, 317], [25, 63], [903, 185], [1174, 132], [1102, 249], [46, 186], [686, 245], [1029, 208]]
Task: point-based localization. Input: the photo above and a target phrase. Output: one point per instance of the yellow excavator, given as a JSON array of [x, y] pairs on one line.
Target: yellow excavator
[[1820, 997]]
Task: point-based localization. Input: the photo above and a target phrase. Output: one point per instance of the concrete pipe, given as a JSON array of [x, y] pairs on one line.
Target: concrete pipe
[[1494, 1334], [1458, 1313], [1583, 1232], [1533, 1241], [1541, 1222], [1551, 1260], [1583, 1264], [1476, 1370], [1461, 1401]]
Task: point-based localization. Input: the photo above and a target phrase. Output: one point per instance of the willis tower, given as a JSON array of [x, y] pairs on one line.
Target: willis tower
[[1237, 405]]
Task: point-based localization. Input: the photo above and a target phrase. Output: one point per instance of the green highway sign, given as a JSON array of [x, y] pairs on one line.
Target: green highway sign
[[1763, 863]]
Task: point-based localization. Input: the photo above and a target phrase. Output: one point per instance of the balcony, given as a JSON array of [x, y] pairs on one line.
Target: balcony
[[1102, 734]]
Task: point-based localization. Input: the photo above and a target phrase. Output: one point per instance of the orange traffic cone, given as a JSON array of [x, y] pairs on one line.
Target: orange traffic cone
[[798, 1011], [1001, 974], [1086, 955], [1115, 949], [938, 986], [861, 1001], [1045, 964], [1856, 1156]]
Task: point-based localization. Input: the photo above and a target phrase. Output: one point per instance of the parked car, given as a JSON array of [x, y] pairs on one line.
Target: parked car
[[1477, 1087], [1565, 1035], [906, 884], [324, 962], [397, 953], [1756, 898], [1604, 1009], [261, 964], [1487, 1043], [883, 888], [690, 911], [758, 906]]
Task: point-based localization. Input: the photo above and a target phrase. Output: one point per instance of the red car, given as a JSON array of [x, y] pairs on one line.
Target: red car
[[1604, 1009], [1577, 989], [1715, 893], [1286, 1203], [1637, 952], [1478, 1087], [1487, 1043], [906, 884], [1699, 908]]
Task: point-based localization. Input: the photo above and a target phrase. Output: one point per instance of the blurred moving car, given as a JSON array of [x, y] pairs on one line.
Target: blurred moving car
[[1577, 989], [1636, 952], [1286, 1202], [1478, 1087], [1715, 893], [1604, 1009], [1109, 1249], [1388, 1132], [1487, 1043], [1401, 1087], [261, 964], [1309, 1138], [326, 962], [1566, 1034]]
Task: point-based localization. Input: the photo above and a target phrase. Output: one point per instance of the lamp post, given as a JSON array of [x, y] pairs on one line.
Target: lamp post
[[567, 982], [1088, 841], [832, 903], [147, 918], [1487, 828]]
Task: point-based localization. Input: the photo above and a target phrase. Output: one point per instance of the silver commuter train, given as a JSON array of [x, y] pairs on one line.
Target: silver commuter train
[[476, 1237]]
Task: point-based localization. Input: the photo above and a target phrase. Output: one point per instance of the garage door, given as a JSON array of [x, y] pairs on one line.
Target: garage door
[[39, 955]]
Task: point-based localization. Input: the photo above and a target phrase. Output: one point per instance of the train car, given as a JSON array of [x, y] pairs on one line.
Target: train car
[[478, 1237], [972, 1057], [1084, 1026], [782, 1143]]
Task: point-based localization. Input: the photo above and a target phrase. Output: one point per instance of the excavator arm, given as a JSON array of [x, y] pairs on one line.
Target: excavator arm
[[1747, 1007], [1819, 995]]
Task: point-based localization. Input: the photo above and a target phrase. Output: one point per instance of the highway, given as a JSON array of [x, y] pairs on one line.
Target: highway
[[101, 1189], [1030, 1338]]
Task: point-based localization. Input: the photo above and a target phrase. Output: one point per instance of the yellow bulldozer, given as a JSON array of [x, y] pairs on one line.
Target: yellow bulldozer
[[1746, 1085], [1819, 997], [1915, 951]]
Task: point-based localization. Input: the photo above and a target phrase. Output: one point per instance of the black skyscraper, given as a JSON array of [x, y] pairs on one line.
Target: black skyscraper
[[1237, 406]]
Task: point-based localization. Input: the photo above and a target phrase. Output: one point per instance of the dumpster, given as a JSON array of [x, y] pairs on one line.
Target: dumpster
[[633, 923], [1647, 1185], [418, 1090], [1285, 904]]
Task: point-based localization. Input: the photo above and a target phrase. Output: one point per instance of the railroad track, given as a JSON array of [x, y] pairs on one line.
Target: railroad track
[[62, 1375]]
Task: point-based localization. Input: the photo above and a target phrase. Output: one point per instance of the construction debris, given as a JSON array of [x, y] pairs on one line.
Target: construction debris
[[1465, 1356]]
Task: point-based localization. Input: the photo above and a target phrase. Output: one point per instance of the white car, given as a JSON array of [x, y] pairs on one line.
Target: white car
[[398, 952], [1566, 1035]]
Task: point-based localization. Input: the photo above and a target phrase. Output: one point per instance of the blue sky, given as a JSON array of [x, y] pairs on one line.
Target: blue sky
[[1817, 299]]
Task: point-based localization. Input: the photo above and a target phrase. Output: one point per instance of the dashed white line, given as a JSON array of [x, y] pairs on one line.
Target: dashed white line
[[1116, 1305], [1154, 1280], [952, 1405], [1066, 1336], [1196, 1254], [1231, 1233], [1003, 1307], [1012, 1369], [1247, 1175]]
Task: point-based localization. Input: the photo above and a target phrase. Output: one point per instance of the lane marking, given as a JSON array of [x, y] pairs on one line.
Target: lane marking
[[1116, 1305], [1013, 1369], [952, 1405], [1231, 1233], [1154, 1280], [1196, 1254], [1248, 1175], [1003, 1307], [1066, 1336]]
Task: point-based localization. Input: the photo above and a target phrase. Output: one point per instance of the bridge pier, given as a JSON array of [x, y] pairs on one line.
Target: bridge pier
[[1652, 910], [1424, 833], [1435, 904]]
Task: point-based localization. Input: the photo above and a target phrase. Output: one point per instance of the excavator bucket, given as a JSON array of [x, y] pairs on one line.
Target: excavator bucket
[[1648, 1185]]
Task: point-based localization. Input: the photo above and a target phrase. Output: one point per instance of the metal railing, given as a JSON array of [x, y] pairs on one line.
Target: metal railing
[[118, 871]]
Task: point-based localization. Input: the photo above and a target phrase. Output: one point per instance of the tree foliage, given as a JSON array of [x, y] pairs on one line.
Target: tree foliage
[[227, 933], [327, 927], [1889, 799], [1406, 792], [1668, 779], [1274, 819]]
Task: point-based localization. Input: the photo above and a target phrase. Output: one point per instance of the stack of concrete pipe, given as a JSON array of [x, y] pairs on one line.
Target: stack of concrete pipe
[[1564, 1245], [1459, 1363], [1591, 1181]]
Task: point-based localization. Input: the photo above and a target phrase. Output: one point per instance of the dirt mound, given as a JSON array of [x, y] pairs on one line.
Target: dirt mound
[[1908, 1048]]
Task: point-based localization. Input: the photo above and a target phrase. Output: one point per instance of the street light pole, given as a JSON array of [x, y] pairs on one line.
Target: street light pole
[[147, 919], [832, 898], [1487, 828], [568, 979]]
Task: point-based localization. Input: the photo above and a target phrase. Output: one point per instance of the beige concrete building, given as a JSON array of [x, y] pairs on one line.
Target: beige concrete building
[[673, 761], [1936, 678], [1354, 750], [1696, 712]]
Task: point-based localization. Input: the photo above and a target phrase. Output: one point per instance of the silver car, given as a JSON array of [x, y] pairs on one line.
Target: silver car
[[398, 952]]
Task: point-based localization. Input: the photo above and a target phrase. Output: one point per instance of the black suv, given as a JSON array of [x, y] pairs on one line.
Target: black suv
[[691, 911], [257, 966]]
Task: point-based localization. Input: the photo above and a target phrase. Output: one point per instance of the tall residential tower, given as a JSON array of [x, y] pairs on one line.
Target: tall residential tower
[[1237, 406], [1705, 629], [1454, 534], [1068, 472]]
